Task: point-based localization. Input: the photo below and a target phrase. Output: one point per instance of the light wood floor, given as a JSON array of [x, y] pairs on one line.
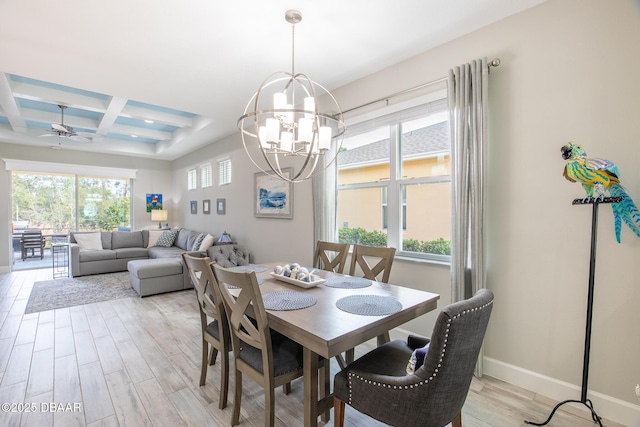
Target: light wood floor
[[136, 362]]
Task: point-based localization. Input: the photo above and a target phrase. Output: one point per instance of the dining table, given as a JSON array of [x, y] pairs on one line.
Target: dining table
[[339, 314]]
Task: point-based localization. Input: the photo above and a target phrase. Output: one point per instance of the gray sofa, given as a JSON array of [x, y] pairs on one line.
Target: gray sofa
[[121, 247]]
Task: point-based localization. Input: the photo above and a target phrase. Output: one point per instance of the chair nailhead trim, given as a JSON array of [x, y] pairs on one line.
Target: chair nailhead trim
[[353, 376]]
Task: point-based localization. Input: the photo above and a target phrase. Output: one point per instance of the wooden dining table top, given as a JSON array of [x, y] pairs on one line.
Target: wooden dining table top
[[326, 329]]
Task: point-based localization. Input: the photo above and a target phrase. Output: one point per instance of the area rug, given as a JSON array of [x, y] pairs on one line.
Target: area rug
[[69, 292]]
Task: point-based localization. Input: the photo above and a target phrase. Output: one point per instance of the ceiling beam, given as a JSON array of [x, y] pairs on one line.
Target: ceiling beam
[[114, 108], [10, 106]]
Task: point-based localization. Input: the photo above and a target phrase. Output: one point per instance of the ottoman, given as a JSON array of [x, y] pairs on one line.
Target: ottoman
[[155, 276]]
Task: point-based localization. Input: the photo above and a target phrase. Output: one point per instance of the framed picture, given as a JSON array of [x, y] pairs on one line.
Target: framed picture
[[273, 196], [194, 207], [206, 206], [154, 201], [221, 206]]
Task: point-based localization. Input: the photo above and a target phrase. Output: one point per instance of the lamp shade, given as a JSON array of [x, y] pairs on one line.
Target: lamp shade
[[159, 215], [225, 238]]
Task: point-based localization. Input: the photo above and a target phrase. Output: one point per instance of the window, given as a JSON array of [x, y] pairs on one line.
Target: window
[[59, 203], [384, 208], [224, 172], [205, 175], [394, 182], [192, 179]]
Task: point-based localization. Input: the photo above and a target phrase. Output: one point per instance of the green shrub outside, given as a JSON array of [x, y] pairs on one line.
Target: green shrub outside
[[361, 236]]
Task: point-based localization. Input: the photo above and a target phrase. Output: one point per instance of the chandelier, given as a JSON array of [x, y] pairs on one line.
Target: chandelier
[[283, 120]]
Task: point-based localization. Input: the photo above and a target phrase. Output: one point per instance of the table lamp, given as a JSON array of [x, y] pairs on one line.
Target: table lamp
[[159, 215]]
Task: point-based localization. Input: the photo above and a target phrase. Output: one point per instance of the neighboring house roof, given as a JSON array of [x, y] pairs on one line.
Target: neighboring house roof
[[423, 142]]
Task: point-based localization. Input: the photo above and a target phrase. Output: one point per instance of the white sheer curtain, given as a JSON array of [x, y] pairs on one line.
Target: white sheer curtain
[[468, 93], [323, 190]]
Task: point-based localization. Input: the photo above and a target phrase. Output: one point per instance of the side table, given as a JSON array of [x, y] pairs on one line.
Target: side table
[[60, 255]]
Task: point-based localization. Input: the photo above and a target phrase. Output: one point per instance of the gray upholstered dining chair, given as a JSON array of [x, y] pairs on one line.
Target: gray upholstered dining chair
[[331, 256], [377, 384], [267, 357], [215, 332]]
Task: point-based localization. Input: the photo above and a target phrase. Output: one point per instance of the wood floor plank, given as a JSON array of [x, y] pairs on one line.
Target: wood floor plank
[[95, 393], [10, 394], [126, 402], [18, 366], [10, 326], [135, 364], [67, 391], [27, 331], [64, 343], [117, 330], [79, 320], [158, 406], [109, 355], [190, 409], [96, 323], [38, 417], [62, 318], [41, 374], [161, 366], [85, 347], [45, 336]]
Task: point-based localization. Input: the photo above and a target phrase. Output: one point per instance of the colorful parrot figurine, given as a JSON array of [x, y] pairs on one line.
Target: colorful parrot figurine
[[596, 177]]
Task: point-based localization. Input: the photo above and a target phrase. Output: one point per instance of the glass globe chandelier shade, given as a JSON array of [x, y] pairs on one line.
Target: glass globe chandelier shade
[[283, 120]]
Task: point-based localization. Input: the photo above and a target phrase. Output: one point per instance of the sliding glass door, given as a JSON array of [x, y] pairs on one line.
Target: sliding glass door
[[59, 203]]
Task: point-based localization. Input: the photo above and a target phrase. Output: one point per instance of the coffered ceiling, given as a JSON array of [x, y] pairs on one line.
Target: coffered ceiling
[[159, 79]]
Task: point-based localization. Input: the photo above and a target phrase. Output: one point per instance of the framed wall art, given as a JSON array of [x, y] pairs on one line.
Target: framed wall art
[[154, 201], [194, 207], [221, 206], [273, 196], [206, 206]]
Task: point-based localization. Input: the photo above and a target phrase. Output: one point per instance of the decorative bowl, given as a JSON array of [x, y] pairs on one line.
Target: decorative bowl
[[317, 280]]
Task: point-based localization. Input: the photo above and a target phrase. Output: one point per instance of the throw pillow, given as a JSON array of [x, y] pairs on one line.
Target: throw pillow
[[417, 359], [207, 242], [89, 241], [167, 238], [197, 242], [154, 235]]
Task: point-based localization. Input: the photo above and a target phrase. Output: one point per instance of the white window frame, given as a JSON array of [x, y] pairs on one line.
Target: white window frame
[[192, 179], [224, 171], [206, 172], [396, 181]]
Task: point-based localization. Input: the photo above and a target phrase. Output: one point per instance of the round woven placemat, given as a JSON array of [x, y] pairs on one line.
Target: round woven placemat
[[347, 282], [288, 300], [369, 305], [260, 282], [250, 267]]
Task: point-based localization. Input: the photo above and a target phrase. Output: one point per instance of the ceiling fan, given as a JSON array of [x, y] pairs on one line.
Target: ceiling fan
[[66, 131]]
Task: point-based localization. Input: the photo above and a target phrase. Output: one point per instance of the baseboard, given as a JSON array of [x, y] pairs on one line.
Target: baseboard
[[5, 269], [607, 407]]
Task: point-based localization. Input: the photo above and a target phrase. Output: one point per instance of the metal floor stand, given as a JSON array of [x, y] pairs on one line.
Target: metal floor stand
[[595, 202]]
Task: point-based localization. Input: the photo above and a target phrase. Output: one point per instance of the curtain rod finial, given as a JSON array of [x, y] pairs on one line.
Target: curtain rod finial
[[495, 62]]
